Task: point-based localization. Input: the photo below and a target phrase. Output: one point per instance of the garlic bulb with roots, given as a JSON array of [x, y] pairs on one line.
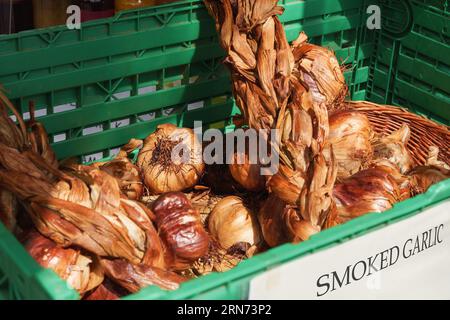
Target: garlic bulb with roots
[[232, 222], [393, 148], [171, 160], [350, 135]]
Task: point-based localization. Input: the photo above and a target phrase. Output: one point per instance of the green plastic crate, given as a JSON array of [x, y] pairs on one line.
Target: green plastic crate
[[118, 78]]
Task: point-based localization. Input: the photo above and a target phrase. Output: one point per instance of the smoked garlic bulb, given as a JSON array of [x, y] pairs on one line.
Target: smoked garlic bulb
[[171, 159], [423, 177], [393, 148], [375, 189], [232, 222], [80, 271], [350, 136], [321, 71], [247, 174], [434, 171], [181, 230], [282, 223]]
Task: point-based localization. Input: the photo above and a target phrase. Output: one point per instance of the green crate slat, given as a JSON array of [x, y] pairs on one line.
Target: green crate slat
[[439, 6], [36, 59], [435, 105], [429, 47], [359, 95], [431, 20], [120, 136], [113, 70], [298, 10], [380, 79], [88, 115], [419, 70], [424, 72], [123, 69]]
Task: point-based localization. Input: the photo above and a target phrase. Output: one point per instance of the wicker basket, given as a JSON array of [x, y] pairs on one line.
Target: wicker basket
[[424, 132]]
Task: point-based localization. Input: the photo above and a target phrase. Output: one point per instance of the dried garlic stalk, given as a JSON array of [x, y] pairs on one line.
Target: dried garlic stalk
[[290, 88]]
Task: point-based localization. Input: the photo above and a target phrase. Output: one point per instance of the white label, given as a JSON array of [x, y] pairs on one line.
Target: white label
[[409, 259]]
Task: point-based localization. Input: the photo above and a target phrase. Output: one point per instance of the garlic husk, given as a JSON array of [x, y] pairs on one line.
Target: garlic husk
[[106, 291], [423, 177], [350, 135], [8, 209], [394, 148], [247, 174], [287, 87], [287, 184], [134, 277], [300, 229], [321, 71], [283, 223], [271, 219], [80, 271], [375, 189], [220, 260], [434, 171], [203, 201], [127, 175], [232, 222], [161, 171], [433, 159]]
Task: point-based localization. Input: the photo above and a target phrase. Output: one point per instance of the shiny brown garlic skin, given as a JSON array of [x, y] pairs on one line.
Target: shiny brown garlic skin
[[181, 230], [78, 270], [375, 189], [423, 177]]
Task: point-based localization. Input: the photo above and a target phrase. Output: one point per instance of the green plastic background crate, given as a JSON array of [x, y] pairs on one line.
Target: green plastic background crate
[[119, 78]]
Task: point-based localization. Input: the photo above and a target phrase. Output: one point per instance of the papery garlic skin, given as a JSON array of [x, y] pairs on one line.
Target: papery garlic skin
[[321, 71], [135, 277], [424, 177], [434, 171], [375, 189], [271, 219], [78, 270], [246, 171], [127, 175], [232, 222], [248, 175], [162, 172], [8, 209], [350, 135], [394, 148]]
